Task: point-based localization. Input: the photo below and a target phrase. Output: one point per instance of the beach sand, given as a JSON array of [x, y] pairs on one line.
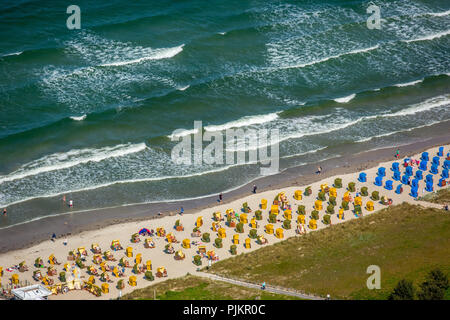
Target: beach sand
[[178, 268]]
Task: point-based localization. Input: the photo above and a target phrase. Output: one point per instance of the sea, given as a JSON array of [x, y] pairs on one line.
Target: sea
[[90, 113]]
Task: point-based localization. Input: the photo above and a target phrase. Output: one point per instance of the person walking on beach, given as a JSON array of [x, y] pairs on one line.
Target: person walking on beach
[[4, 212], [397, 153], [64, 198], [263, 285], [254, 188], [70, 203], [53, 237], [319, 170], [220, 197], [181, 211]]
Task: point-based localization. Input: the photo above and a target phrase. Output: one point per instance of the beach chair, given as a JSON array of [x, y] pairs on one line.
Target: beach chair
[[429, 178], [201, 249], [217, 216], [199, 222], [149, 243], [97, 259], [51, 271], [413, 193], [381, 171], [379, 181], [396, 176], [313, 224], [429, 186], [137, 269], [52, 260], [369, 206], [115, 272], [269, 228], [171, 238], [298, 195], [247, 244], [124, 263], [346, 196], [178, 226], [105, 288], [37, 275], [425, 156], [221, 233], [434, 169], [215, 226], [279, 233], [395, 166], [138, 259], [235, 239], [82, 251], [318, 205], [161, 272], [91, 280], [415, 183], [23, 267], [1, 271], [253, 223], [362, 177], [358, 201], [132, 281], [423, 165], [436, 161], [333, 192], [388, 185], [243, 218], [288, 214], [341, 214], [419, 174], [262, 240], [115, 245], [170, 249], [186, 243], [441, 152], [263, 204], [446, 164], [444, 174], [160, 232], [95, 248], [274, 209], [405, 179], [129, 252], [39, 263], [442, 183], [301, 219], [179, 255], [109, 256], [135, 238], [409, 171]]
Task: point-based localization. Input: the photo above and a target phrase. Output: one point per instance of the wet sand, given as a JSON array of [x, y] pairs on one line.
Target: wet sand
[[31, 233]]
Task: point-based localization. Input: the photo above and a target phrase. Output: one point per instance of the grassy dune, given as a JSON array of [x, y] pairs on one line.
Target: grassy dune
[[405, 241], [197, 288], [441, 196]]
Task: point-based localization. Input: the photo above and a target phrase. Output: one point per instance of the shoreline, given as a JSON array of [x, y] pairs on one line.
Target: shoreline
[[31, 233]]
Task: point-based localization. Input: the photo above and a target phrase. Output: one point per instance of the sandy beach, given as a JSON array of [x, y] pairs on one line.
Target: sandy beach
[[176, 268]]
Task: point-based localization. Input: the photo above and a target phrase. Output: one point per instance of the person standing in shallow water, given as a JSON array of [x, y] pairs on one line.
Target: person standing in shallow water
[[4, 212], [254, 188], [220, 197]]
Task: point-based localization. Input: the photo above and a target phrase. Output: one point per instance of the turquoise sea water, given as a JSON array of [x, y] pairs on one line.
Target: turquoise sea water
[[88, 113]]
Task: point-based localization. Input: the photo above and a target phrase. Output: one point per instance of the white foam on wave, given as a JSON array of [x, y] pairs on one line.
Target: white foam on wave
[[80, 118], [407, 84], [222, 33], [302, 65], [345, 99], [429, 37], [427, 105], [58, 161], [439, 14], [183, 88], [244, 122], [157, 54], [179, 133], [12, 54]]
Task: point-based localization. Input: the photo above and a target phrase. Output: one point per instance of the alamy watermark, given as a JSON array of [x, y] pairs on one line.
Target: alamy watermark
[[374, 281], [74, 20], [374, 21], [241, 147]]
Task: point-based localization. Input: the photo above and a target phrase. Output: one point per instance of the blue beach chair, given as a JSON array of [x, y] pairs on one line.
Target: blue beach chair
[[423, 165], [419, 174], [425, 156], [405, 179], [442, 183], [399, 189], [441, 151], [388, 185], [429, 187], [395, 166], [379, 181], [381, 171], [409, 171], [413, 193], [446, 164], [415, 183], [444, 174], [436, 161], [362, 177], [434, 169], [396, 176]]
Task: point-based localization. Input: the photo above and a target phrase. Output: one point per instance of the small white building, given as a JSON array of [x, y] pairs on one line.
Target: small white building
[[34, 292]]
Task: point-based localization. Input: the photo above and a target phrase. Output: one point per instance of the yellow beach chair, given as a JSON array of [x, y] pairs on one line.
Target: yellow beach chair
[[324, 187], [253, 223], [161, 272], [215, 226], [279, 233], [341, 214], [298, 195], [217, 216], [269, 228], [333, 192], [138, 258], [236, 239], [247, 244], [346, 196], [222, 233], [199, 222], [288, 214], [318, 205], [160, 232], [149, 243], [91, 280], [148, 265], [82, 251], [243, 218], [301, 219], [358, 201], [264, 204], [105, 288], [132, 281], [186, 243], [274, 209], [313, 224], [129, 252], [179, 255], [369, 206], [15, 279], [96, 248]]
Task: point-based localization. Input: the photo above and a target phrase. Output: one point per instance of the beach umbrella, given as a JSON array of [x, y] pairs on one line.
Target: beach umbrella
[[144, 231]]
